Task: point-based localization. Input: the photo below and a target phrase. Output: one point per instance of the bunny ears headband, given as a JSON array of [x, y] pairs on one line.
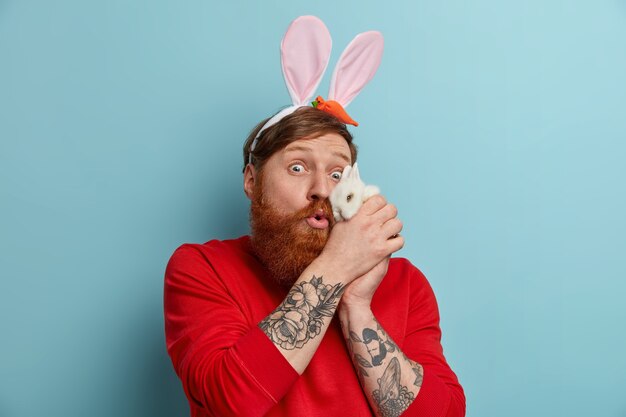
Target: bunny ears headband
[[304, 54]]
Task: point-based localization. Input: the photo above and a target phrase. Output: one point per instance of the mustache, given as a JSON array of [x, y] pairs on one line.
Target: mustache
[[313, 208]]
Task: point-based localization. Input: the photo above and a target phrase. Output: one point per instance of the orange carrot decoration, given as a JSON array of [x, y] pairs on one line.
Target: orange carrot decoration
[[304, 55], [334, 108]]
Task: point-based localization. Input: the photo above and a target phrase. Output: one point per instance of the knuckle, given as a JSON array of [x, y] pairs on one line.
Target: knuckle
[[379, 199]]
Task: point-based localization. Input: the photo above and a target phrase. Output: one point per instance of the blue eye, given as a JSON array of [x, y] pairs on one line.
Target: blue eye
[[336, 175], [296, 168]]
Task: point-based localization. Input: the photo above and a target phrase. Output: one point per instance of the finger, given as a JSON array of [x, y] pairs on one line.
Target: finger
[[395, 244], [392, 227], [386, 213], [373, 204], [385, 260]]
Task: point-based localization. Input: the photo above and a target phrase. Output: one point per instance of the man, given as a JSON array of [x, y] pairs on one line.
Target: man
[[306, 317]]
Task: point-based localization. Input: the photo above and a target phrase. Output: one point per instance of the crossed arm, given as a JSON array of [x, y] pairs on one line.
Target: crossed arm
[[219, 366], [355, 247], [298, 324], [234, 370], [389, 379]]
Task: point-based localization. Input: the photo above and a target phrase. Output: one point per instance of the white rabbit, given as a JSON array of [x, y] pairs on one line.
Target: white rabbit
[[350, 193]]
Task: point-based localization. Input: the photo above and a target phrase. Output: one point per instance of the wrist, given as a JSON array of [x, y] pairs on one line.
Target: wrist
[[331, 268], [353, 299], [354, 307]]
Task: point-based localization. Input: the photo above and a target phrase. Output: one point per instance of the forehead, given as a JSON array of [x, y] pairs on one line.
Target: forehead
[[327, 145]]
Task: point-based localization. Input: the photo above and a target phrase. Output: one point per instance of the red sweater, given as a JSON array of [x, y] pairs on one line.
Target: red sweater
[[216, 294]]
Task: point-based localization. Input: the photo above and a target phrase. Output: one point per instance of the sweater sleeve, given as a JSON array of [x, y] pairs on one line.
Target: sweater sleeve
[[226, 366], [441, 395]]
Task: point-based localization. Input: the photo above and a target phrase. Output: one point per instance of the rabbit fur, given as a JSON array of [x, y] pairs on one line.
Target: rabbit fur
[[350, 194]]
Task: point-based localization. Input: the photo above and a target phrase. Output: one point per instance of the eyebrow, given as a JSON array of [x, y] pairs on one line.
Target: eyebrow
[[305, 149]]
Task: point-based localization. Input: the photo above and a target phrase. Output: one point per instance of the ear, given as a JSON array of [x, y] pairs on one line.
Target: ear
[[356, 67], [346, 171], [305, 52], [249, 179], [304, 56], [355, 170]]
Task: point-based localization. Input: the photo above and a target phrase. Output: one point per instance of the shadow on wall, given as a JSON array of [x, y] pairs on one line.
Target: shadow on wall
[[227, 210], [163, 395], [168, 395], [159, 391]]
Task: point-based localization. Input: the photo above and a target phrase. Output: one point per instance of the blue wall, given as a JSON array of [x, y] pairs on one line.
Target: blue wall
[[497, 127]]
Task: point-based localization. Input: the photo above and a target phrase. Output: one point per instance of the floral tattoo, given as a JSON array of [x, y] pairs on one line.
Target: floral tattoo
[[300, 317]]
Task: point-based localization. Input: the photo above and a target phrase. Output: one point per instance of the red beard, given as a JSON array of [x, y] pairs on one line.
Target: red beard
[[285, 243]]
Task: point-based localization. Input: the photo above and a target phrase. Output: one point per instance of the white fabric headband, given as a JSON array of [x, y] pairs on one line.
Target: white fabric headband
[[304, 54]]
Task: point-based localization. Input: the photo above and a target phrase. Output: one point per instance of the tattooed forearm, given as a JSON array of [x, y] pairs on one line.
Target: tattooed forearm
[[376, 348], [391, 397], [376, 343], [300, 317], [415, 367], [389, 378], [392, 346], [418, 370]]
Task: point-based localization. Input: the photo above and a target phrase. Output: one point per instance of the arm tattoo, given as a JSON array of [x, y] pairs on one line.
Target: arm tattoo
[[299, 318], [419, 373], [391, 397], [377, 344], [416, 367]]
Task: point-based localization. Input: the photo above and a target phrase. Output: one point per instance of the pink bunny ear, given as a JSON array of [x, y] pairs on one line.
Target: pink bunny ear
[[356, 67], [305, 51]]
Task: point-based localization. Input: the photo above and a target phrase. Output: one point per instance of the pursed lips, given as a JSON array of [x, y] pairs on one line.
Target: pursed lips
[[318, 220]]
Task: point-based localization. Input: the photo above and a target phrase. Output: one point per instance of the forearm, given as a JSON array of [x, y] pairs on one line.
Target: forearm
[[298, 324], [389, 379], [225, 367]]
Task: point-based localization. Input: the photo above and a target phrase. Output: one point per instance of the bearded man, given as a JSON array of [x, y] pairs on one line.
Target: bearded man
[[281, 322]]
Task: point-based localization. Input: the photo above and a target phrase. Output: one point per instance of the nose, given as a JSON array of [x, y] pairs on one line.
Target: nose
[[320, 187]]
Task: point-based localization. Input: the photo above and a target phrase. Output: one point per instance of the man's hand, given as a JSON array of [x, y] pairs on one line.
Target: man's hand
[[359, 292], [356, 246]]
